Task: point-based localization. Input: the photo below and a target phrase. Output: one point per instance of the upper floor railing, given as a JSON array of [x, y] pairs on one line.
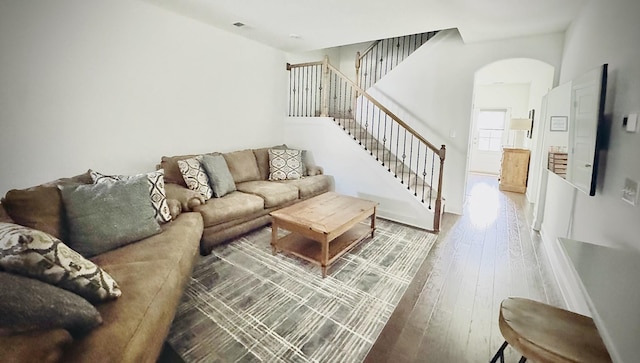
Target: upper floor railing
[[384, 55]]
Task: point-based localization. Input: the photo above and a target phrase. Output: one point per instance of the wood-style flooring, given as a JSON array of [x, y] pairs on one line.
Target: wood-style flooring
[[450, 311]]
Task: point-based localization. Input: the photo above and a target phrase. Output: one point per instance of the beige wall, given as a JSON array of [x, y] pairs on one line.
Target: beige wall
[[114, 85]]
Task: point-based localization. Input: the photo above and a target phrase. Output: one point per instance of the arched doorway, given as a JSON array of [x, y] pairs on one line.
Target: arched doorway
[[503, 91]]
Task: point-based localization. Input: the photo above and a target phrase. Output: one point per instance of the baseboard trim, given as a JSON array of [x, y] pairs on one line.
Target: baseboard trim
[[569, 283]]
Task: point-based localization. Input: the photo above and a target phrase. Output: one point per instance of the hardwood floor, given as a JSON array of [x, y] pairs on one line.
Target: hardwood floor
[[450, 311]]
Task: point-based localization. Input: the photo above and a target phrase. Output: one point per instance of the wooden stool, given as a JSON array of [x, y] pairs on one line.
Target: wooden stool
[[544, 333]]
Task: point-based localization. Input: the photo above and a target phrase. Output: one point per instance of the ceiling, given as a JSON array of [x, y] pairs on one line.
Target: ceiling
[[302, 25]]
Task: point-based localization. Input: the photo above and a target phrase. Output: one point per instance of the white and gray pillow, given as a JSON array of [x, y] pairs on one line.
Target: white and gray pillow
[[219, 175], [105, 216], [195, 176], [32, 253], [285, 164], [156, 190]]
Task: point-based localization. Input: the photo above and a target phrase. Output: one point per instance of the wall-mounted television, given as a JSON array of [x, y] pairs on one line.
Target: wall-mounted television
[[577, 136]]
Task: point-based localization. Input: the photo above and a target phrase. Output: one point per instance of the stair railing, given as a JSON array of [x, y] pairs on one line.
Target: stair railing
[[383, 55], [319, 89]]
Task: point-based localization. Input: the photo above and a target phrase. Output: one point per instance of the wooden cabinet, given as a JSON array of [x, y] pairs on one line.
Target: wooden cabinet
[[514, 170]]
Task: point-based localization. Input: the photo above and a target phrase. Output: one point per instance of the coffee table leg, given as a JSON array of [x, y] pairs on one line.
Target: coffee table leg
[[373, 222], [324, 259], [274, 237]]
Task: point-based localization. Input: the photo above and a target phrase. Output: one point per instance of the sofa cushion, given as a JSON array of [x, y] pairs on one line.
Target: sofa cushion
[[105, 216], [274, 194], [232, 206], [262, 158], [285, 164], [157, 193], [172, 172], [40, 207], [152, 274], [219, 175], [310, 186], [27, 304], [39, 255], [242, 165]]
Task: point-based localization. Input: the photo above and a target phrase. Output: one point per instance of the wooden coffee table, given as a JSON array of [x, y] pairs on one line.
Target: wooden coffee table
[[323, 228]]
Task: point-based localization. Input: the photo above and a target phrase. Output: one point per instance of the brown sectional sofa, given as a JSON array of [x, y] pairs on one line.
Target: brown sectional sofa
[[152, 274], [249, 206]]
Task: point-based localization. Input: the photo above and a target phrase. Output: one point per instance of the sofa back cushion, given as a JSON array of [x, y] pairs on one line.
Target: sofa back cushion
[[172, 172], [40, 207], [262, 158], [242, 165]]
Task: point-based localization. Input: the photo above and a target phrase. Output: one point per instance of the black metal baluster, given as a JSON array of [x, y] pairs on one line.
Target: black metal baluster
[[433, 162], [404, 156], [306, 91], [366, 125], [415, 188], [410, 162], [384, 138], [390, 146], [360, 116], [318, 93], [379, 118], [397, 146], [320, 88], [300, 93], [424, 171], [397, 40], [345, 104]]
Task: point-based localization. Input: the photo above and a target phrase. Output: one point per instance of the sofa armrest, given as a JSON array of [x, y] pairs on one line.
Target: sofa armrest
[[175, 208], [37, 346], [314, 170], [187, 198]]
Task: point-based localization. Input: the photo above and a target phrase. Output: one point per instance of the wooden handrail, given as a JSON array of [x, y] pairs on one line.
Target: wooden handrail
[[369, 49], [300, 65], [384, 109]]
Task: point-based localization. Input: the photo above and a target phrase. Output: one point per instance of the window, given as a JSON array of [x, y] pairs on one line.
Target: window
[[490, 129]]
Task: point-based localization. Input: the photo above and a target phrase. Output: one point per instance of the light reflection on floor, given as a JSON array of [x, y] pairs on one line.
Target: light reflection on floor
[[483, 200]]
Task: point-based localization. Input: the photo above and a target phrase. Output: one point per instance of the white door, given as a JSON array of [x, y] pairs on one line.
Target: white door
[[585, 94], [487, 139]]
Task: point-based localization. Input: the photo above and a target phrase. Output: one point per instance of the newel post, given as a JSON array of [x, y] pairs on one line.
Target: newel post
[[324, 106]]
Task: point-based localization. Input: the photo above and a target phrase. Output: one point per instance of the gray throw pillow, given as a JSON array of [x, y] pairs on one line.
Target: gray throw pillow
[[27, 304], [105, 216], [219, 175]]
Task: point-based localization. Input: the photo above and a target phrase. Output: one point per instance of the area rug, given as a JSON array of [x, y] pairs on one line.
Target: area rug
[[245, 305]]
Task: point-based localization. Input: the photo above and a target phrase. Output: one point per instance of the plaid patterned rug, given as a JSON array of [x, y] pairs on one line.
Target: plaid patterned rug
[[245, 305]]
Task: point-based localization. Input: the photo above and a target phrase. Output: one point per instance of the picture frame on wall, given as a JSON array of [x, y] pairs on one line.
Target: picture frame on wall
[[558, 123]]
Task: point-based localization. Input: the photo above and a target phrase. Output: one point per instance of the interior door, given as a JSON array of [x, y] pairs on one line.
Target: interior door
[[487, 139], [582, 138]]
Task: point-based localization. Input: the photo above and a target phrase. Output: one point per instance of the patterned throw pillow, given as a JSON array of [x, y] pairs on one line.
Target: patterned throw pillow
[[156, 190], [195, 176], [285, 164], [39, 255]]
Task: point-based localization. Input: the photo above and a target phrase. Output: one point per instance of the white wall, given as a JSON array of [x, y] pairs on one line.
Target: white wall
[[355, 172], [605, 32], [114, 85], [433, 90]]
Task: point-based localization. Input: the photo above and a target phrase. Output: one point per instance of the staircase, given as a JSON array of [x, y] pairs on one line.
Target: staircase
[[319, 89]]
